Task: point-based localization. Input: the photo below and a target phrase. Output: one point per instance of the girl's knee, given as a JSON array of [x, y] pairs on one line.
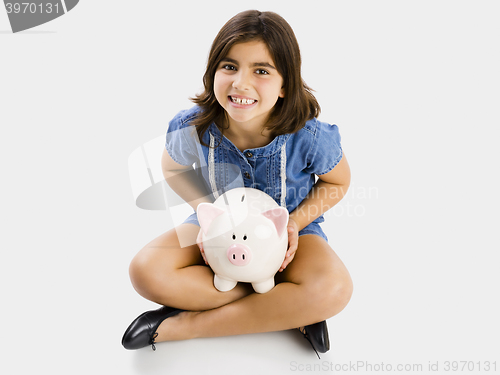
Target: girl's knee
[[138, 272], [340, 295], [330, 295], [144, 275]]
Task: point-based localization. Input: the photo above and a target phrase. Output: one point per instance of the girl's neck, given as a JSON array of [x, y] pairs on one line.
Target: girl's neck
[[247, 137]]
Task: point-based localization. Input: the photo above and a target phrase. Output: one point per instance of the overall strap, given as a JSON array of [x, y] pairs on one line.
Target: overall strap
[[211, 166], [283, 175]]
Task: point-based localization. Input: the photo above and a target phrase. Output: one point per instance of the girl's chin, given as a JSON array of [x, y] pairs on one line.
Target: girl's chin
[[240, 115], [247, 121]]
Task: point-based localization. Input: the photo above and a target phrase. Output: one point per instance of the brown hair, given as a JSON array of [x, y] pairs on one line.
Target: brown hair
[[289, 113]]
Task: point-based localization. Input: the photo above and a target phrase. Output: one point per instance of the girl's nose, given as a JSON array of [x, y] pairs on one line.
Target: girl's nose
[[241, 80]]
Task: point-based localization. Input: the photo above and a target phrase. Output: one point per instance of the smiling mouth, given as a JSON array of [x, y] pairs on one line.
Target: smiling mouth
[[242, 101]]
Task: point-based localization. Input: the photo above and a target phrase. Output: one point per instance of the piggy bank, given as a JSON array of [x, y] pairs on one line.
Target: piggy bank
[[244, 238]]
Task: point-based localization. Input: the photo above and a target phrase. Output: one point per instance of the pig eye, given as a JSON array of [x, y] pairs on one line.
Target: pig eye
[[234, 236], [245, 237]]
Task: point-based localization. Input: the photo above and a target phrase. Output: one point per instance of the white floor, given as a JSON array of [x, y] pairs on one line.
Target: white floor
[[278, 352]]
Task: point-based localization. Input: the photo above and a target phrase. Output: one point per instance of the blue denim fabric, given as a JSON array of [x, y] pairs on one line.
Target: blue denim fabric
[[285, 169]]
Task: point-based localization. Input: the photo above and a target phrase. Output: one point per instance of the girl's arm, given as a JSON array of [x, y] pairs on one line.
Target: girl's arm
[[188, 185], [185, 181], [326, 193]]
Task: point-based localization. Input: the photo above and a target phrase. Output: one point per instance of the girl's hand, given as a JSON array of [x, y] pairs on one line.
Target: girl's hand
[[293, 242], [199, 242]]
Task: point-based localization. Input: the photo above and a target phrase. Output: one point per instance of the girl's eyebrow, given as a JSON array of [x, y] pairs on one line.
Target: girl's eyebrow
[[255, 64]]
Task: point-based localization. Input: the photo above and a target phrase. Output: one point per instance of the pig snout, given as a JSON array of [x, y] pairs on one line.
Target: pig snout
[[239, 255]]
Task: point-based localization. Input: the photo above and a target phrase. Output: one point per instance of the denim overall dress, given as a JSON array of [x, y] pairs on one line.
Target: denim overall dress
[[285, 169]]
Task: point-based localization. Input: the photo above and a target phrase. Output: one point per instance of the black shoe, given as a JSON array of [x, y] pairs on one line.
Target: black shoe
[[142, 331], [317, 335]]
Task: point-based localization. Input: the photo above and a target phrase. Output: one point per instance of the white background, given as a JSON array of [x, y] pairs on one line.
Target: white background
[[414, 89]]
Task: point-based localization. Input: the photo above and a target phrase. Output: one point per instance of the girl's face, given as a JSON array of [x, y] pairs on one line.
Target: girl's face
[[247, 85]]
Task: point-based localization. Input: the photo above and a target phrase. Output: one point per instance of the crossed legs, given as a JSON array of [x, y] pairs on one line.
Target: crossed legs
[[315, 286]]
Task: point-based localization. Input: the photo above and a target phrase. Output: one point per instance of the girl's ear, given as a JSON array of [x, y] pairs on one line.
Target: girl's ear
[[282, 93]]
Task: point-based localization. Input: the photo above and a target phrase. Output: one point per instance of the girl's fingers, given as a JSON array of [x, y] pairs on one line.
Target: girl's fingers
[[286, 262], [293, 243]]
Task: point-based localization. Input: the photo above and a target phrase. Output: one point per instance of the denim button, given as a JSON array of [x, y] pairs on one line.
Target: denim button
[[248, 154], [246, 174]]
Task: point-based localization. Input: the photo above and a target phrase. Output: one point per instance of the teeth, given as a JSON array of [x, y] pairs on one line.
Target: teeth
[[242, 101]]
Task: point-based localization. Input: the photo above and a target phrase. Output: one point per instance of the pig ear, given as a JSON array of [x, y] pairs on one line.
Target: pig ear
[[279, 216], [207, 212]]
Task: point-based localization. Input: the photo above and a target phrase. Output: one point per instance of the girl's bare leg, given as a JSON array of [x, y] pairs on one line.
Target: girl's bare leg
[[314, 287], [169, 275]]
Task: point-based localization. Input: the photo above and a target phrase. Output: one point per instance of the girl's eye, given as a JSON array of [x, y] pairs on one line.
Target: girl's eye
[[262, 71], [228, 67]]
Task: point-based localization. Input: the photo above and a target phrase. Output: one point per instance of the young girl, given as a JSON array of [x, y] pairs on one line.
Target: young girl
[[258, 117]]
